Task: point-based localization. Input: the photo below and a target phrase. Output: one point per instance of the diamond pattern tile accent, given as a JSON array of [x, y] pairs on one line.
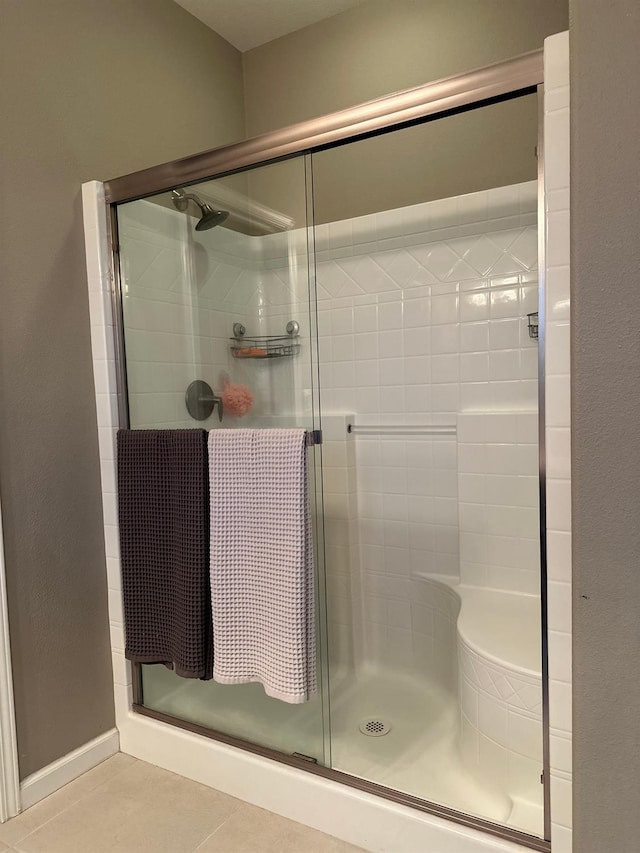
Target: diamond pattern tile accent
[[367, 274], [483, 255], [525, 248], [461, 271], [403, 268], [515, 690], [438, 258], [333, 278]]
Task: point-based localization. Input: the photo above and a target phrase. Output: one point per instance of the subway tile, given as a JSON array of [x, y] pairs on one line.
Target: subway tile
[[504, 394], [473, 518], [366, 373], [504, 365], [501, 428], [419, 342], [558, 239], [560, 751], [391, 344], [444, 339], [529, 364], [445, 397], [121, 669], [558, 293], [116, 613], [365, 318], [342, 347], [474, 366], [558, 348], [559, 555], [417, 370], [445, 368], [525, 735], [559, 606], [504, 334], [474, 396], [342, 321], [558, 495], [474, 307], [472, 458], [556, 99], [474, 337], [556, 64], [561, 800], [390, 315], [471, 428], [504, 303], [560, 646], [503, 551], [472, 487], [558, 400], [444, 309], [558, 452], [560, 705]]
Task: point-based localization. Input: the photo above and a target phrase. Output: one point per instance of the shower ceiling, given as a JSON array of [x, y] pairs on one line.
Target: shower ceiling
[[249, 23]]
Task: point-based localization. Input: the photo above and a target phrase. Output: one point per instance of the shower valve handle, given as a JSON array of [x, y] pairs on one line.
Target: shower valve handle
[[201, 400]]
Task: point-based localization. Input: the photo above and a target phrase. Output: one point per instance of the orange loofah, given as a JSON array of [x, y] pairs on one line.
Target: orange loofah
[[236, 399]]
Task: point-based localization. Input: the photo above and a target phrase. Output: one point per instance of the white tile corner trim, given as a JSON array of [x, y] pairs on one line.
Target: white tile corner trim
[[558, 431], [354, 816], [52, 777]]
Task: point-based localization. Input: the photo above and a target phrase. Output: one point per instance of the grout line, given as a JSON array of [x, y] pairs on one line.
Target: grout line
[[209, 837], [241, 805]]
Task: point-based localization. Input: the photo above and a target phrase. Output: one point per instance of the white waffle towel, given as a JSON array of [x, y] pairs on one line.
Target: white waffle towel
[[262, 585]]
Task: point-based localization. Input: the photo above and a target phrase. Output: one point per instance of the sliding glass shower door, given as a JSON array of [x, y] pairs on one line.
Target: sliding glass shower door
[[426, 247], [219, 320], [404, 288]]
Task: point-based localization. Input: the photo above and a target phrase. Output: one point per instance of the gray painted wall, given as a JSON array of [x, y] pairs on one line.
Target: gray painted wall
[[605, 234], [383, 46], [90, 89]]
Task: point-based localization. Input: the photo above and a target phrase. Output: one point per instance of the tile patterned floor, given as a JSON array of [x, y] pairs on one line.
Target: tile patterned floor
[[127, 806]]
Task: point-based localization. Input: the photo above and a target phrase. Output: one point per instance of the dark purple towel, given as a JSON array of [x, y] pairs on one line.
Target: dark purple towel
[[163, 511]]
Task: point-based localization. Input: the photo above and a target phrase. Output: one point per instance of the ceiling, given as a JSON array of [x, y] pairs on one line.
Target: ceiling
[[249, 23]]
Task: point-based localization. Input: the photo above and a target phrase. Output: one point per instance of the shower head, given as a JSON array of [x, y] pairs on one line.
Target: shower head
[[209, 217]]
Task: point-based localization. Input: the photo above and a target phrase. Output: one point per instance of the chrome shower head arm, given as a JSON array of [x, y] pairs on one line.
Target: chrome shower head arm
[[209, 217], [181, 200]]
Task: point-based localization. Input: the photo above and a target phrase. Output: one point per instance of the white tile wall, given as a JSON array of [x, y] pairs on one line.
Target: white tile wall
[[428, 325], [498, 500], [101, 318], [182, 293], [558, 425]]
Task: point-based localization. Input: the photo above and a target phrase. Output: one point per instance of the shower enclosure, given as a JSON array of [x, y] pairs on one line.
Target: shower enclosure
[[377, 286]]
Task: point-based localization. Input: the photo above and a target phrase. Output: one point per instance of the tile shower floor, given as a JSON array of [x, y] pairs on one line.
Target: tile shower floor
[[127, 806]]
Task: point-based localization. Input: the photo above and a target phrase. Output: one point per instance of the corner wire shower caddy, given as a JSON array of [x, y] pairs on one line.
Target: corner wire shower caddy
[[265, 346]]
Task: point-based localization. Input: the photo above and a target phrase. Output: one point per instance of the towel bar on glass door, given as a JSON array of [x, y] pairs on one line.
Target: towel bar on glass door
[[407, 429]]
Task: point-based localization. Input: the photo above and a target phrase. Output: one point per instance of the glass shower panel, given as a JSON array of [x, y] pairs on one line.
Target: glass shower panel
[[228, 305], [426, 248]]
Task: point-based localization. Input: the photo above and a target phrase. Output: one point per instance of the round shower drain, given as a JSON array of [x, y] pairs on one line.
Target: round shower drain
[[374, 727]]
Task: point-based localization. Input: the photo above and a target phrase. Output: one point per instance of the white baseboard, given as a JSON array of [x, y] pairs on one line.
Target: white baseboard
[[52, 777]]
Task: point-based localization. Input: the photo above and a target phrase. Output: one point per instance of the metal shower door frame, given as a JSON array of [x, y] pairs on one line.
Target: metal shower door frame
[[513, 78]]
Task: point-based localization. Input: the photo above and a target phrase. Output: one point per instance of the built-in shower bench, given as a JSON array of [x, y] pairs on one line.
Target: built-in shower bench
[[500, 689]]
